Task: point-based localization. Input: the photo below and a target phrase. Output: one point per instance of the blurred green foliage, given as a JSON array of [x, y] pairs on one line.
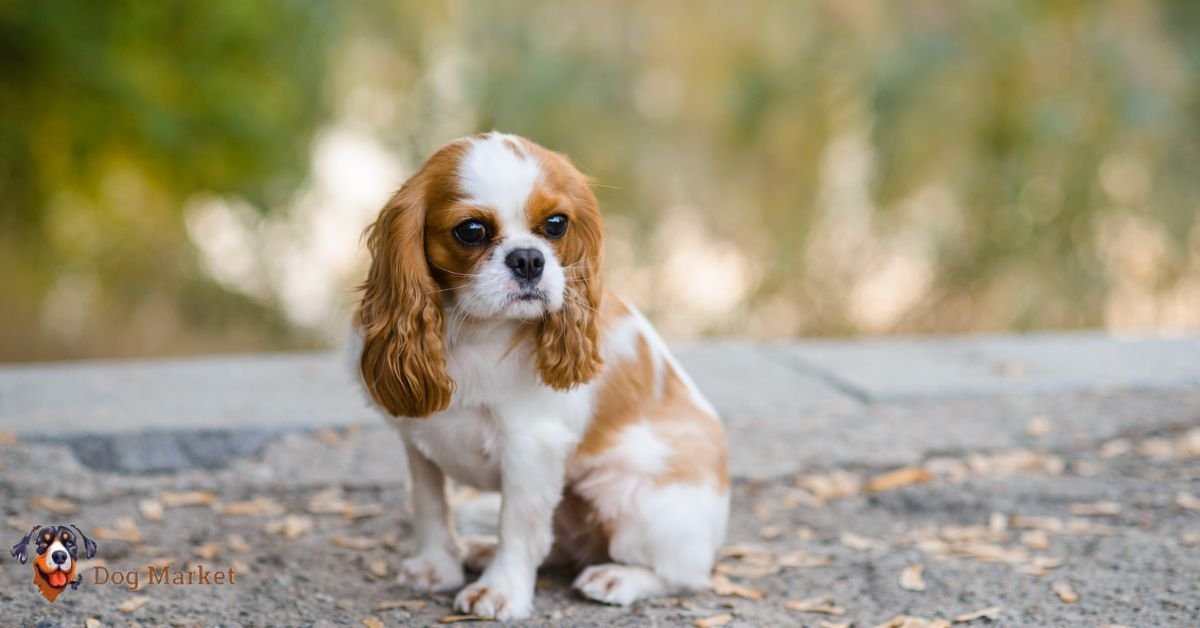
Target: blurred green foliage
[[871, 167]]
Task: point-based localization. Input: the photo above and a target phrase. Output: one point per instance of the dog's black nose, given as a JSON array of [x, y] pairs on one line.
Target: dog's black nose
[[526, 263], [59, 557]]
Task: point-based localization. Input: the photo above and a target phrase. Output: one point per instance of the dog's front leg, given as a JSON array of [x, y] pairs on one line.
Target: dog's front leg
[[437, 565], [533, 456]]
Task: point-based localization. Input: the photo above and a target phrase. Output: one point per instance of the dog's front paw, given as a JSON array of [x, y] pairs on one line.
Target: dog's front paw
[[496, 599], [431, 572]]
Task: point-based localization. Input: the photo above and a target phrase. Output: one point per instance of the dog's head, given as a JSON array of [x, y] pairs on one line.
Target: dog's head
[[56, 555], [491, 227]]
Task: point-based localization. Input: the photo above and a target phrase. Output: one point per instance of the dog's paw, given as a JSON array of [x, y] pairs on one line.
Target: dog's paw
[[431, 572], [493, 598], [618, 584]]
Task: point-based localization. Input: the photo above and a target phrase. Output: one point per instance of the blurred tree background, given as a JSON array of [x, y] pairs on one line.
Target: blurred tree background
[[182, 177]]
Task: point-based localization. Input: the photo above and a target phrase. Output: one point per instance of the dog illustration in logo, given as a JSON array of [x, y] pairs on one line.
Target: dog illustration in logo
[[57, 550]]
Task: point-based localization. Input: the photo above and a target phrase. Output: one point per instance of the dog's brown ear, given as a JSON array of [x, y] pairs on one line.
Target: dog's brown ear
[[400, 314], [568, 342]]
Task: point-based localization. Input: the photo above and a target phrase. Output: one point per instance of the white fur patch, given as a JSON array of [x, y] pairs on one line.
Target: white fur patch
[[494, 176]]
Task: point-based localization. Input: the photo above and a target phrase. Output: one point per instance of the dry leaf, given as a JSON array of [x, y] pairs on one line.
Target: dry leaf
[[133, 603], [151, 509], [1187, 501], [410, 605], [752, 553], [207, 551], [58, 506], [1037, 427], [769, 532], [454, 619], [1157, 448], [257, 507], [912, 578], [830, 486], [1096, 509], [822, 604], [1035, 539], [362, 511], [172, 499], [291, 527], [991, 612], [908, 621], [237, 544], [1189, 539], [355, 542], [125, 529], [372, 622], [801, 558], [722, 586], [8, 438], [830, 624], [741, 570], [1114, 448], [898, 479], [328, 501], [1065, 592], [378, 568], [861, 543], [715, 620], [239, 567], [92, 622]]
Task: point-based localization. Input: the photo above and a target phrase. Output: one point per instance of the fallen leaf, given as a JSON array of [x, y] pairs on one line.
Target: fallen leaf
[[172, 499], [372, 622], [328, 501], [362, 511], [830, 624], [822, 604], [1037, 427], [1189, 539], [741, 570], [715, 620], [992, 612], [237, 544], [1115, 447], [1187, 501], [410, 605], [1065, 592], [125, 529], [1035, 539], [1157, 448], [151, 509], [723, 586], [8, 438], [92, 622], [207, 551], [898, 479], [833, 485], [133, 603], [454, 619], [861, 543], [239, 567], [355, 542], [769, 532], [58, 506], [801, 558], [1096, 509], [378, 568], [256, 507], [291, 527], [911, 578]]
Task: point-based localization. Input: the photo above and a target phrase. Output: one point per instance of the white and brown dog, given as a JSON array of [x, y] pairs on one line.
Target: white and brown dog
[[487, 334]]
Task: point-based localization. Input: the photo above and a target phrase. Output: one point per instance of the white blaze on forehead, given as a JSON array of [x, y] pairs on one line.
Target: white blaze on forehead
[[493, 175]]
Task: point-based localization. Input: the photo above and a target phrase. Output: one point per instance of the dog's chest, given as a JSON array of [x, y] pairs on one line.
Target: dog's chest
[[463, 442]]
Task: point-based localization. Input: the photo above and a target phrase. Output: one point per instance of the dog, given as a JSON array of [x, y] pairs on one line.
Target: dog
[[488, 338], [57, 549]]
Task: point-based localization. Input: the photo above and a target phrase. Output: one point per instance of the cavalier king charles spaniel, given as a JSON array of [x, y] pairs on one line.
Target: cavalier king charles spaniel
[[487, 336]]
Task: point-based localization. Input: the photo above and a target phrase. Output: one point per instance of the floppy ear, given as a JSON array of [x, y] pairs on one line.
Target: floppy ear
[[568, 342], [89, 546], [400, 314], [20, 549]]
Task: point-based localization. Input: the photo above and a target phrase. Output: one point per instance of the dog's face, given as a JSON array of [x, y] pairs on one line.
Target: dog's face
[[57, 554], [491, 227]]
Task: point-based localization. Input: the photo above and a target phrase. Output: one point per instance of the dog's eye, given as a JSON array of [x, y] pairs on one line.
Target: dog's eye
[[471, 233], [65, 536], [555, 226]]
